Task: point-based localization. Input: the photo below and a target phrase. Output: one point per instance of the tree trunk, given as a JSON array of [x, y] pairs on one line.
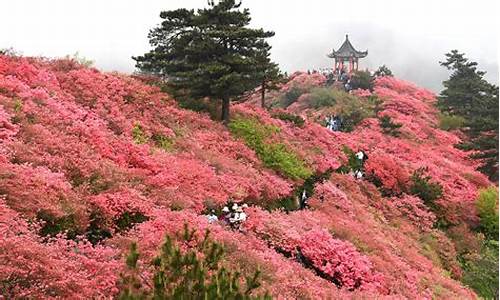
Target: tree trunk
[[225, 111], [263, 94]]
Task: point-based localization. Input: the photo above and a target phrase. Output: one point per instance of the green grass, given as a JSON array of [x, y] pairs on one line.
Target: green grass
[[276, 156]]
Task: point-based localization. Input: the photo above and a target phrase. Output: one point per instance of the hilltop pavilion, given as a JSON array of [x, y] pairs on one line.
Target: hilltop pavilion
[[346, 58]]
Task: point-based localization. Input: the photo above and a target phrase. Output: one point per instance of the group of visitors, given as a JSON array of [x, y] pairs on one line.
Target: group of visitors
[[333, 123], [361, 157], [233, 215]]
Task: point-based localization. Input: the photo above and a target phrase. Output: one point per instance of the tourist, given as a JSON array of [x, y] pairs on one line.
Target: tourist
[[338, 120], [227, 214], [328, 121], [335, 125], [358, 174], [347, 85], [360, 155], [236, 216], [212, 217], [303, 200]]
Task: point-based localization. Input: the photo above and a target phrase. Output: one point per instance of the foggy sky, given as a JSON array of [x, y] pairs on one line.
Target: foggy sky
[[410, 37]]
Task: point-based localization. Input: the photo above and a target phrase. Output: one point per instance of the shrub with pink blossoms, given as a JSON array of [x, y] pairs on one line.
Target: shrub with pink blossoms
[[385, 169], [340, 261]]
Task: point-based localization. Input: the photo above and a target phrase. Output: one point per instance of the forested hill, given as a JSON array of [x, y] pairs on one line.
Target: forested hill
[[91, 162]]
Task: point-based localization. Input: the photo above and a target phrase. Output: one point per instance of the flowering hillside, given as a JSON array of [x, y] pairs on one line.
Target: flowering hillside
[[92, 161]]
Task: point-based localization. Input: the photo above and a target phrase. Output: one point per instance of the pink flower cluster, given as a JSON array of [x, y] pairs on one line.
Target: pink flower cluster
[[74, 140]]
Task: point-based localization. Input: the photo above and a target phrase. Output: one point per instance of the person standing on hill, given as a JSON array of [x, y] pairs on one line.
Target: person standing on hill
[[212, 217]]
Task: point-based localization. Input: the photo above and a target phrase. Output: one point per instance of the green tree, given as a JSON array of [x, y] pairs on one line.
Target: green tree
[[362, 80], [209, 53], [270, 75], [182, 274], [383, 71], [467, 94], [481, 271], [487, 209]]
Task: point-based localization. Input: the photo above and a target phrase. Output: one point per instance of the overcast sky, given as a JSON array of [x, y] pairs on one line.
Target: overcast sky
[[410, 37]]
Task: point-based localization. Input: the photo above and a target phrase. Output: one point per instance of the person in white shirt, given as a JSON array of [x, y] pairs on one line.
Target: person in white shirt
[[212, 217], [360, 155]]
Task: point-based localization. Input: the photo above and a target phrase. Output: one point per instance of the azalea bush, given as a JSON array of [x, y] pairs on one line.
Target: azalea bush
[[338, 261], [91, 162]]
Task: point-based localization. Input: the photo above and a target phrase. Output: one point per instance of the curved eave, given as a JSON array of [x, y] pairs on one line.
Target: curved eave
[[357, 54]]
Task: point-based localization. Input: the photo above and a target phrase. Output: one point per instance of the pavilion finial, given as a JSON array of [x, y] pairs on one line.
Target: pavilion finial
[[346, 36]]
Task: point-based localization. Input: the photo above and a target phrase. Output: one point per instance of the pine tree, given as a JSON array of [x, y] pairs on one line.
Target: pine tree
[[193, 274], [270, 76], [209, 53], [467, 94], [383, 71]]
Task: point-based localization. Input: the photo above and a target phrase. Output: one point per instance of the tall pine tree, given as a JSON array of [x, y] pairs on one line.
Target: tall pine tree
[[469, 95], [209, 53], [270, 75]]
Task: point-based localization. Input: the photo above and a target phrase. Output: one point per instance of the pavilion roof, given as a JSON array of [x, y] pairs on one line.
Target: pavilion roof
[[347, 50]]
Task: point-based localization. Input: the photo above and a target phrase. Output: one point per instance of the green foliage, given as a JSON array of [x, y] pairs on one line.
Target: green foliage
[[389, 127], [128, 219], [324, 96], [352, 109], [288, 204], [362, 80], [353, 163], [383, 71], [182, 274], [52, 225], [291, 96], [468, 95], [288, 117], [97, 231], [481, 272], [199, 105], [208, 53], [138, 134], [449, 122], [422, 187], [98, 183], [274, 155], [270, 74], [487, 208], [18, 105], [291, 203], [130, 280], [163, 142]]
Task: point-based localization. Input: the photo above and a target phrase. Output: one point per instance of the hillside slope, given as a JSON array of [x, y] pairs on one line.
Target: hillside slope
[[109, 158]]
